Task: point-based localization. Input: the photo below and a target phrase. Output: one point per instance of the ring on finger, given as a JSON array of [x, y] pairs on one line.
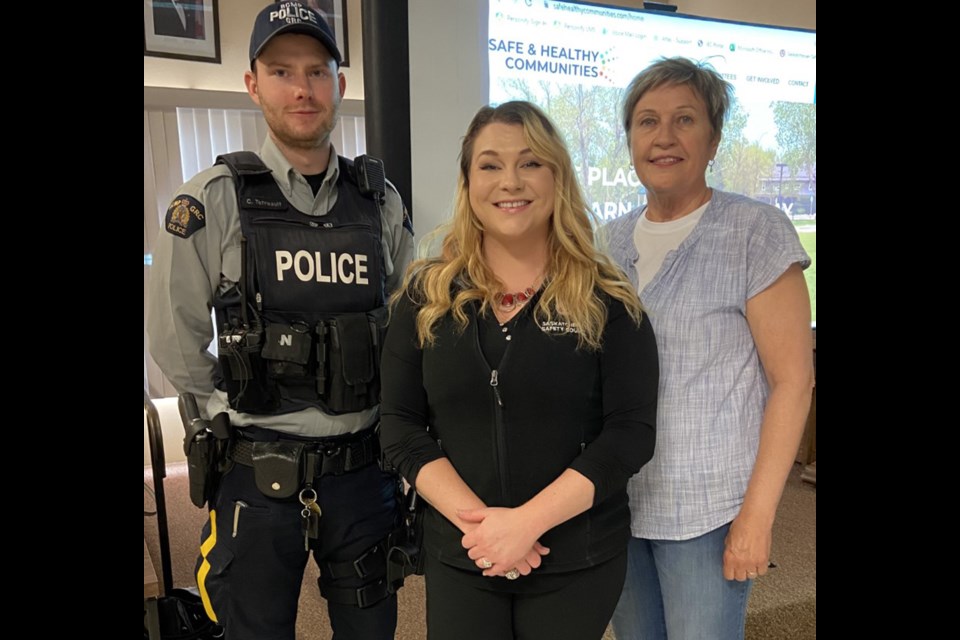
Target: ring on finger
[[513, 574], [484, 563]]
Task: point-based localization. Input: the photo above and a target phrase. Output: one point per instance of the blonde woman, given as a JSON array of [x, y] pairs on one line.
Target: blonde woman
[[519, 396]]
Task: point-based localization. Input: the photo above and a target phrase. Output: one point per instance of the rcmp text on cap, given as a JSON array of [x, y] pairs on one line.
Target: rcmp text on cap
[[293, 13], [291, 17]]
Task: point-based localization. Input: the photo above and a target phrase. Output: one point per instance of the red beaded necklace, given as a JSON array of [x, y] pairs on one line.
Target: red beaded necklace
[[507, 302]]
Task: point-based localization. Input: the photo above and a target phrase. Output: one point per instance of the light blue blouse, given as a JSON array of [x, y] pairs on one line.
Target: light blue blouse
[[712, 386]]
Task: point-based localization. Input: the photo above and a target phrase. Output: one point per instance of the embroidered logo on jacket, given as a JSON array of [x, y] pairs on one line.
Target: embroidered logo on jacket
[[185, 216], [558, 326]]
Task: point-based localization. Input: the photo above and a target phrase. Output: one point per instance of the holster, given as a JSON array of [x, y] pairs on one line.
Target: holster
[[405, 544], [205, 446]]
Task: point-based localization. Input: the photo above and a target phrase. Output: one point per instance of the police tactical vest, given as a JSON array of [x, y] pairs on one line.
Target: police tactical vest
[[304, 326]]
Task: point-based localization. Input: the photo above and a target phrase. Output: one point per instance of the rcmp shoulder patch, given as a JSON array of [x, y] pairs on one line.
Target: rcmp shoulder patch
[[185, 216]]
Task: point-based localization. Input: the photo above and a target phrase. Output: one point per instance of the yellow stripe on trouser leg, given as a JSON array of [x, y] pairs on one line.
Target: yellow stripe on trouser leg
[[204, 569]]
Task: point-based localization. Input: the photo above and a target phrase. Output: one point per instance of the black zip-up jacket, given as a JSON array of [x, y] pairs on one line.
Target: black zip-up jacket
[[511, 429]]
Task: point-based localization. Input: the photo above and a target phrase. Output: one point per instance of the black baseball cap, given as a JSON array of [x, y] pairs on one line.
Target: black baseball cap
[[291, 17]]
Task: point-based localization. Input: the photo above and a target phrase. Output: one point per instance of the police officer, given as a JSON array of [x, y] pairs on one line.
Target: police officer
[[296, 250]]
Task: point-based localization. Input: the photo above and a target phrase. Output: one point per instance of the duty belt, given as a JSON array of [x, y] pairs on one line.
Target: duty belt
[[334, 456]]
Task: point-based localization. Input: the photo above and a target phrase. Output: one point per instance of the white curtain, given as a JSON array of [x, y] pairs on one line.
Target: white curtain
[[208, 133]]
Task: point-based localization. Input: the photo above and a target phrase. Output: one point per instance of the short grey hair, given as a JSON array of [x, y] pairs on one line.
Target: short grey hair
[[715, 92]]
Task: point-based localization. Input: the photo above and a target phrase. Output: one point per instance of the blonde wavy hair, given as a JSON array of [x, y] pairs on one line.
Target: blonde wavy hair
[[576, 271]]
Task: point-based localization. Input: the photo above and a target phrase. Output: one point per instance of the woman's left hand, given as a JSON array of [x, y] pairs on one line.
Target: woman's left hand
[[504, 538], [779, 319], [747, 549]]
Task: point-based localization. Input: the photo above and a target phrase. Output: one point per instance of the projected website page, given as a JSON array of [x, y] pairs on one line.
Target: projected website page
[[575, 60]]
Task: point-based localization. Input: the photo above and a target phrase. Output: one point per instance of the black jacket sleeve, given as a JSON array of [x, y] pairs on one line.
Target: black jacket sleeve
[[404, 415], [630, 375]]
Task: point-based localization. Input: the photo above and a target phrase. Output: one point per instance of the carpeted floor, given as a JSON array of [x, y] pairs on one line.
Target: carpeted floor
[[783, 605]]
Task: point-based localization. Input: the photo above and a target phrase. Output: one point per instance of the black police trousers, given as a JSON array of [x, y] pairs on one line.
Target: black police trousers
[[252, 554]]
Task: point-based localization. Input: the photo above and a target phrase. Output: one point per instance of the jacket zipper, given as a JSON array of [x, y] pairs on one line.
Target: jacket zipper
[[499, 421], [499, 426]]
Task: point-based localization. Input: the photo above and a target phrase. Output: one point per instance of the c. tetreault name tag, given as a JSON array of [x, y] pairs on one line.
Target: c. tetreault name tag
[[347, 268]]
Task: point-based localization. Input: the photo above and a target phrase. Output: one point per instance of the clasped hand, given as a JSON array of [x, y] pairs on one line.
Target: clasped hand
[[502, 541]]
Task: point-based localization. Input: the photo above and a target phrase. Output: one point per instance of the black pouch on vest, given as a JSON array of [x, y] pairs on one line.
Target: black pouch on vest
[[278, 468], [287, 350], [244, 372], [352, 384]]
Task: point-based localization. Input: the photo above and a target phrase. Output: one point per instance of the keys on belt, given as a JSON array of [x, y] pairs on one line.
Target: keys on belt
[[305, 464], [310, 515]]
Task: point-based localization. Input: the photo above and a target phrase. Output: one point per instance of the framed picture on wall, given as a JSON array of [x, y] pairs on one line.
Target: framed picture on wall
[[335, 11], [182, 29]]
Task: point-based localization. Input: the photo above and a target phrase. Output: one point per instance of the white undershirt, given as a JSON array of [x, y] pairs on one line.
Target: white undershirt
[[654, 240]]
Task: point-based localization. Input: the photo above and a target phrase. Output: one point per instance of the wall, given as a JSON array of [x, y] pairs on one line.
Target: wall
[[784, 13], [171, 428], [236, 20]]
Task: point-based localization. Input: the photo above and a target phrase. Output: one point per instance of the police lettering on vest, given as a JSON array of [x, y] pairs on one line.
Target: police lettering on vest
[[308, 266]]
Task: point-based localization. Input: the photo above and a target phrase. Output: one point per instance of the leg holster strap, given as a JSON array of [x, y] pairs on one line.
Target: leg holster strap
[[363, 597], [371, 562]]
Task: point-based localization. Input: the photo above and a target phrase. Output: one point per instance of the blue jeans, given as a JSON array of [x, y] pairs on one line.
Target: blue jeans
[[675, 589]]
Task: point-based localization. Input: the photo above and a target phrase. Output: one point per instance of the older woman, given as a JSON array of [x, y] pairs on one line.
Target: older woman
[[525, 353], [721, 278]]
